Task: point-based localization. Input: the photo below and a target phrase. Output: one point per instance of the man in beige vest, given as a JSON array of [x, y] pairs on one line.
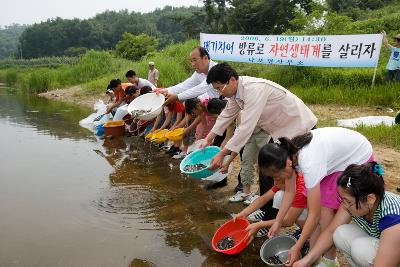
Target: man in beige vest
[[262, 103]]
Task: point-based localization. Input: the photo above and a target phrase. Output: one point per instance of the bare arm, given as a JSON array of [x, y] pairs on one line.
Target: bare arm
[[256, 204], [156, 122], [288, 221], [193, 125], [325, 240], [388, 250], [288, 197], [178, 120], [113, 105], [314, 214], [385, 40], [229, 133], [225, 165], [184, 121], [167, 120]]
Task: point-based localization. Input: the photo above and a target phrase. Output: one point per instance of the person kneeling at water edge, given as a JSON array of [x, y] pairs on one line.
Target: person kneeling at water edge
[[374, 239], [297, 213], [119, 92], [321, 156]]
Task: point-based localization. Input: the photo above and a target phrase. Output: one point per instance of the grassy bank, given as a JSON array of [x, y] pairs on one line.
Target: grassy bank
[[343, 86], [337, 86]]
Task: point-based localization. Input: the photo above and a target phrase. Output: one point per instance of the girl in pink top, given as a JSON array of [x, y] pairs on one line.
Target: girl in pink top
[[203, 122]]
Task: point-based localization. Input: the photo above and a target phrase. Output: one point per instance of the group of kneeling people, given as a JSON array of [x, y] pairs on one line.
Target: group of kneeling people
[[323, 201], [320, 179]]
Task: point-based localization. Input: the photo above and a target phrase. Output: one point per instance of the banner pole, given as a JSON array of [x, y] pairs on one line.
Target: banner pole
[[373, 78], [376, 65]]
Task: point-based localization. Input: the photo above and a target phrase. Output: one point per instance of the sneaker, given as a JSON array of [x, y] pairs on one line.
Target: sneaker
[[256, 216], [262, 232], [164, 147], [179, 155], [250, 199], [238, 197]]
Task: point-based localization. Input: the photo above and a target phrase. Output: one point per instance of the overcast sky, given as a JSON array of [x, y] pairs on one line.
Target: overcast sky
[[31, 11]]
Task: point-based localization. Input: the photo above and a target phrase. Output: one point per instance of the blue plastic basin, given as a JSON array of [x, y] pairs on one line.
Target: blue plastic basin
[[200, 157], [100, 129]]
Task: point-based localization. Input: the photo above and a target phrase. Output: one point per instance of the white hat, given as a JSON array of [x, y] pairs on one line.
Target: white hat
[[151, 63]]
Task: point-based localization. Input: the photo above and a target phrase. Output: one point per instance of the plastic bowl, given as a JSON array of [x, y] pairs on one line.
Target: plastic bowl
[[236, 231], [114, 128], [159, 136], [175, 135], [279, 246], [100, 129], [218, 176], [200, 157], [149, 136], [148, 101]]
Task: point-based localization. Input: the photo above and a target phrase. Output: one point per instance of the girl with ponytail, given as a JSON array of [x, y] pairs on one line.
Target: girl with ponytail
[[374, 238], [321, 156]]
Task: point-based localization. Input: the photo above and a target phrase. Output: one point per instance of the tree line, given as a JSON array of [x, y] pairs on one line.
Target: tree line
[[66, 37]]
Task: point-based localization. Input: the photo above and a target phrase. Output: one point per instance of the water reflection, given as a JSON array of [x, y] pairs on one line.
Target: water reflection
[[169, 201], [68, 198], [48, 117]]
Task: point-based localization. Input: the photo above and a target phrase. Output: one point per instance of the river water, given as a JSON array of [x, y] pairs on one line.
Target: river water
[[68, 198]]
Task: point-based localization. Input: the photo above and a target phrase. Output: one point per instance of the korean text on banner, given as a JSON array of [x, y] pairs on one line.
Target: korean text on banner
[[361, 50]]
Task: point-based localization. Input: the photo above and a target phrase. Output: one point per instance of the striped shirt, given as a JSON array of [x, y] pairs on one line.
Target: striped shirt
[[386, 215]]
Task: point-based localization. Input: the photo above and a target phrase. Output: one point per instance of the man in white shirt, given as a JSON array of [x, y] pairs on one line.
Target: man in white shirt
[[196, 85], [139, 82], [153, 74]]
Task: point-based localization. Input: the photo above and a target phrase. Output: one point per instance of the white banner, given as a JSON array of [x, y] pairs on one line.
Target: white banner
[[360, 50]]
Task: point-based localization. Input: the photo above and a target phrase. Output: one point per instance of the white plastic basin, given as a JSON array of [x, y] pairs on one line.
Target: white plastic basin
[[150, 101]]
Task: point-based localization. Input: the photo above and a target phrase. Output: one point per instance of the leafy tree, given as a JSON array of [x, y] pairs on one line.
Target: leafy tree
[[263, 17], [9, 40], [216, 11], [134, 47]]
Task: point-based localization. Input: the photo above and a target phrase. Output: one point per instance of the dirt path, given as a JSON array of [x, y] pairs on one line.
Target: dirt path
[[73, 95]]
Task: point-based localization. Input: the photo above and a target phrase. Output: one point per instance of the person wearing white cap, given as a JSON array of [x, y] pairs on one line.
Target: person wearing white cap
[[153, 74]]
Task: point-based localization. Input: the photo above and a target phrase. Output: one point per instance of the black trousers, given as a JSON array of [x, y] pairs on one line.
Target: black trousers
[[266, 183]]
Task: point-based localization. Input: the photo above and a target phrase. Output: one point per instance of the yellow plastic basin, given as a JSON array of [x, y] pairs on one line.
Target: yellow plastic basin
[[149, 136], [175, 135], [159, 136]]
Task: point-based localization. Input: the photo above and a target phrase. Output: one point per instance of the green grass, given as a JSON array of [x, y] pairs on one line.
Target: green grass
[[38, 62], [381, 95], [93, 65], [383, 135]]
